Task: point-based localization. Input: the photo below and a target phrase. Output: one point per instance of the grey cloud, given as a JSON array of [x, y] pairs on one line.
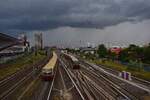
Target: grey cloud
[[49, 14]]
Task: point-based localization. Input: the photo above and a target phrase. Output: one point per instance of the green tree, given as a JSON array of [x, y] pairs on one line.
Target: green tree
[[135, 53], [112, 55], [146, 54], [132, 53], [102, 51], [123, 56]]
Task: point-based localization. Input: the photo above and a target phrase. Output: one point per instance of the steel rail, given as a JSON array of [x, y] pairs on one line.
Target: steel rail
[[65, 67]]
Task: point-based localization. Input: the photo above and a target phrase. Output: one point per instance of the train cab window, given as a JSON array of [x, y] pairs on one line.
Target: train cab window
[[48, 72]]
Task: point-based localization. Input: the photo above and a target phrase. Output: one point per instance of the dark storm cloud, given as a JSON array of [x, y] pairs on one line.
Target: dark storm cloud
[[48, 14]]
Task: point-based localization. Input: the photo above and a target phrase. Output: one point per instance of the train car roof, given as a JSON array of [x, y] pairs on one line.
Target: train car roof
[[51, 63], [72, 57]]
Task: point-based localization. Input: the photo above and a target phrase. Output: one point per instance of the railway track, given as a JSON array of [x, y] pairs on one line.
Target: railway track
[[51, 87], [12, 80], [12, 86], [89, 88], [37, 89], [95, 90], [139, 81], [11, 92], [115, 87], [40, 90], [71, 85], [99, 90], [130, 89], [107, 85], [90, 91]]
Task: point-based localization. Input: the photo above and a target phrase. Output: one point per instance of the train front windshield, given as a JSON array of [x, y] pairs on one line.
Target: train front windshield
[[46, 72]]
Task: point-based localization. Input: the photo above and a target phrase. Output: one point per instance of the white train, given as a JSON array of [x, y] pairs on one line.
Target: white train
[[48, 70]]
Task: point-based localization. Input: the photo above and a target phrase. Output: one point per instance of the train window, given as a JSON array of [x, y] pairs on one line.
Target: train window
[[47, 72]]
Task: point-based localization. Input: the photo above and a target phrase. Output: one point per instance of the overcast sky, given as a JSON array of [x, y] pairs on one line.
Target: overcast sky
[[115, 21]]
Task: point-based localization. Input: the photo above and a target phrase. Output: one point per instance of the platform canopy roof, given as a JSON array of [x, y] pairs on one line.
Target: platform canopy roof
[[7, 41]]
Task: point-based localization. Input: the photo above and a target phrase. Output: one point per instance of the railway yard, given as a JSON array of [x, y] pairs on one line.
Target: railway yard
[[88, 82]]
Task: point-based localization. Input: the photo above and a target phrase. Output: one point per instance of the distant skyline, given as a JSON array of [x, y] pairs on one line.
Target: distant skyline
[[95, 21], [121, 34]]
